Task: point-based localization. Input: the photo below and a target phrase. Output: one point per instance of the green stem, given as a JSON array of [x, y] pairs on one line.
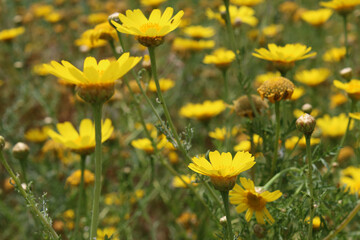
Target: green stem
[[113, 48], [277, 133], [80, 198], [225, 197], [30, 200], [98, 171], [226, 86], [23, 164], [310, 184], [273, 179], [346, 36]]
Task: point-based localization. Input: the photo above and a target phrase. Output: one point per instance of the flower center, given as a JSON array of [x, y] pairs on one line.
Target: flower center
[[145, 27], [255, 202]]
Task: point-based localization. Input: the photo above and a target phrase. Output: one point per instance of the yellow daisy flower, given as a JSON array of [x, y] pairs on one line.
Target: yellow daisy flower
[[203, 111], [82, 142], [146, 145], [183, 44], [165, 84], [350, 179], [178, 183], [109, 231], [312, 77], [343, 7], [248, 3], [316, 18], [337, 100], [9, 34], [260, 79], [218, 134], [245, 145], [152, 3], [237, 15], [352, 88], [290, 142], [221, 58], [75, 178], [298, 93], [96, 18], [316, 222], [149, 32], [222, 168], [198, 32], [37, 135], [253, 200], [333, 126], [85, 43], [334, 54]]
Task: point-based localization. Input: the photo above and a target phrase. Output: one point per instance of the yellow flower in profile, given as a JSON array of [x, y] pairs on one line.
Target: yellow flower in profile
[[102, 31], [260, 79], [149, 32], [316, 18], [253, 200], [343, 7], [82, 142], [40, 70], [245, 145], [312, 77], [298, 93], [96, 18], [222, 168], [165, 84], [272, 30], [334, 54], [74, 179], [248, 3], [237, 15], [41, 10], [152, 3], [350, 179], [288, 7], [199, 32], [109, 231], [184, 44], [146, 145], [218, 134], [37, 135], [297, 113], [54, 17], [276, 89], [291, 142], [9, 34], [178, 183], [355, 115], [316, 222], [352, 88], [203, 111], [333, 126], [337, 100], [85, 43], [221, 58]]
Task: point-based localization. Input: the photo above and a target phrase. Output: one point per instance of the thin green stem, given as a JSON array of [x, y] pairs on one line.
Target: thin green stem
[[346, 36], [80, 198], [277, 134], [310, 184], [23, 164], [273, 179], [225, 197], [97, 109], [226, 86], [30, 200], [113, 48]]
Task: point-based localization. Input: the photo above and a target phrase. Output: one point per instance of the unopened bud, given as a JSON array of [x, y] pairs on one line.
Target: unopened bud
[[114, 17], [346, 73], [21, 151], [2, 143], [306, 124], [223, 221], [237, 22], [307, 108]]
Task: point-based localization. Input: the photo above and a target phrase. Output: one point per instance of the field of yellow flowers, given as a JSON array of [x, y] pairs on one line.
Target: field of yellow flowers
[[179, 119]]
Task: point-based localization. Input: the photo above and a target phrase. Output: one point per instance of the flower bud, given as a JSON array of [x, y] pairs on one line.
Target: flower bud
[[306, 124], [223, 221], [2, 143], [346, 73], [21, 151], [114, 17], [307, 108]]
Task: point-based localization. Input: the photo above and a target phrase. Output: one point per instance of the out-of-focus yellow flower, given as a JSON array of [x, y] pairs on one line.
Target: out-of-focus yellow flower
[[114, 198], [260, 79], [178, 183], [316, 18], [291, 142], [37, 135], [187, 220], [337, 100], [149, 32], [355, 115], [96, 18], [343, 7], [253, 200], [41, 10], [276, 89], [352, 88], [69, 215], [199, 32], [152, 3], [221, 58], [40, 70], [165, 84], [333, 126], [146, 145], [75, 178], [350, 179], [248, 3], [316, 222], [297, 113], [109, 231], [102, 31], [298, 93], [137, 195], [312, 77], [86, 43], [272, 30], [334, 54], [218, 134], [184, 44], [203, 111], [82, 142], [288, 7], [54, 17], [237, 15], [245, 145], [9, 34], [223, 169]]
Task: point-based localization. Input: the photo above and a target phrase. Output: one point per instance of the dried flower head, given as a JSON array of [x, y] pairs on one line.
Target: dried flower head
[[276, 89]]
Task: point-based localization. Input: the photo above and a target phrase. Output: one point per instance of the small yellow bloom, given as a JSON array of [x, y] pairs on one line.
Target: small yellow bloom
[[298, 93], [198, 32], [75, 178], [85, 43], [82, 142], [312, 77], [137, 195], [333, 126], [291, 142], [109, 231], [352, 88], [41, 10], [297, 113], [183, 44], [276, 89], [343, 7], [316, 17], [253, 201], [316, 222], [37, 135], [102, 31], [178, 183], [203, 111], [114, 198], [355, 115], [218, 134], [334, 54], [237, 15], [54, 17], [260, 79], [221, 58], [40, 70], [165, 84], [9, 34], [245, 145], [152, 3], [145, 144], [248, 3], [337, 100], [149, 32], [350, 179], [96, 18], [69, 215], [223, 169]]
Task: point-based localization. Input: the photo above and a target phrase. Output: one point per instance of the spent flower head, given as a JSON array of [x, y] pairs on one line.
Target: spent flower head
[[276, 89]]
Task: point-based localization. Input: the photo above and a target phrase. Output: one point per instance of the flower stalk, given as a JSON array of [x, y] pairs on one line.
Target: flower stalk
[[277, 134], [310, 184], [225, 197]]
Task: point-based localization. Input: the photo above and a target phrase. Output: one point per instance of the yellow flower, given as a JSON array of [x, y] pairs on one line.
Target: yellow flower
[[37, 135], [41, 10], [102, 31], [272, 30], [288, 7], [218, 134], [316, 222], [297, 113], [82, 142], [146, 145], [75, 178], [237, 15], [165, 84], [137, 195], [203, 111], [253, 200], [69, 214], [96, 18], [223, 169], [276, 89], [85, 43], [316, 17], [149, 32], [9, 34], [334, 54], [312, 77], [298, 93], [178, 183], [350, 179], [199, 32], [290, 142], [54, 17], [109, 231], [333, 126], [337, 100], [248, 3], [260, 79], [343, 7], [352, 88], [245, 145], [152, 3], [114, 198], [355, 115], [183, 44], [221, 58], [40, 70]]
